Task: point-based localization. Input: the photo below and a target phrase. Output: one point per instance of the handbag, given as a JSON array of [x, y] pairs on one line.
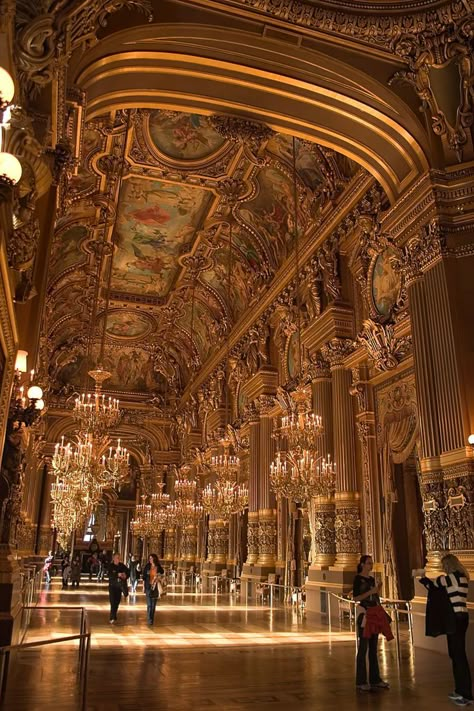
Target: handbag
[[154, 591]]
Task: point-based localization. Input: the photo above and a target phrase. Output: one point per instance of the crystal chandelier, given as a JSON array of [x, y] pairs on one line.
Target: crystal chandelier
[[94, 412], [225, 498], [184, 513], [302, 476], [185, 489], [115, 465], [225, 465], [159, 500], [301, 473], [300, 427]]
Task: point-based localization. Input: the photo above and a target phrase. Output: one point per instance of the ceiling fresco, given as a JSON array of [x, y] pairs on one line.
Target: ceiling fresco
[[155, 221], [183, 136], [160, 234]]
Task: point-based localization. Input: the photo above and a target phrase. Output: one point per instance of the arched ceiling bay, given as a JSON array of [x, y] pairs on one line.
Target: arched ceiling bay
[[156, 228]]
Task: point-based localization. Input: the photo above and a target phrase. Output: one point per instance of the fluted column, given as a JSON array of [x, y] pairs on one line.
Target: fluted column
[[267, 523], [322, 510], [252, 527], [211, 541], [347, 523]]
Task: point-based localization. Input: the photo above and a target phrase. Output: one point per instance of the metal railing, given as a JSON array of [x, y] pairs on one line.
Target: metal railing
[[396, 608], [31, 577], [289, 594], [84, 638]]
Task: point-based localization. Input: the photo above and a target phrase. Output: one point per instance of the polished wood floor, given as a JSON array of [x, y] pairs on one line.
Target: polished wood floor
[[208, 652]]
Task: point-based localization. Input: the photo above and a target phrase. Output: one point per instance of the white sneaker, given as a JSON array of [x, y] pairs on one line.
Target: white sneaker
[[363, 687], [454, 696], [112, 622]]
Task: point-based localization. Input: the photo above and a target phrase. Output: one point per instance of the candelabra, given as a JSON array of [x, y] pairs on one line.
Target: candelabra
[[184, 513], [300, 427], [159, 500]]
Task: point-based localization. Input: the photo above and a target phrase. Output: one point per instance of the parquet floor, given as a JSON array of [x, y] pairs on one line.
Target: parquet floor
[[208, 652]]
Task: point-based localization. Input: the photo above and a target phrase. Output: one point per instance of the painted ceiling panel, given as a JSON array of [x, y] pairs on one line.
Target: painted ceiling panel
[[155, 222]]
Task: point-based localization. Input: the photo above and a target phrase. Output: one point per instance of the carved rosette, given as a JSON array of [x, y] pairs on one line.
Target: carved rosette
[[170, 543], [252, 539], [348, 533], [324, 533]]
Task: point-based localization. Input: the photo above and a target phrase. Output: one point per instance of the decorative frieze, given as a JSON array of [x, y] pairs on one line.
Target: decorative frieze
[[324, 532], [348, 533]]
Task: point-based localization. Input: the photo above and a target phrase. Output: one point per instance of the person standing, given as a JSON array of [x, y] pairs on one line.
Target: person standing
[[456, 584], [103, 564], [66, 571], [366, 592], [76, 572], [135, 570], [118, 576], [151, 573]]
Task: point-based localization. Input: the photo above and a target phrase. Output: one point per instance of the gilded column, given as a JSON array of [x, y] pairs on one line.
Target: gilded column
[[252, 526], [322, 509], [221, 542], [211, 541], [170, 543], [267, 523], [347, 523]]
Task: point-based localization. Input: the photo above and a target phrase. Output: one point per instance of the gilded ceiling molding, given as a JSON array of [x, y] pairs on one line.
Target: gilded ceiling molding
[[48, 32], [380, 25], [356, 115]]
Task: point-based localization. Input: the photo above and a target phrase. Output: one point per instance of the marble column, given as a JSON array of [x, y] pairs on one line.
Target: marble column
[[347, 523], [322, 509], [267, 523], [252, 528], [170, 543]]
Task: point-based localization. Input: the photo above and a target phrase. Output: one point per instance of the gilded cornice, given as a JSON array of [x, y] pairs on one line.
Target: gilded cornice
[[380, 25]]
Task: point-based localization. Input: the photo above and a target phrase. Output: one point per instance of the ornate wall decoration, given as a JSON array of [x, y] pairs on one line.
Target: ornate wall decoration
[[347, 530], [324, 532], [421, 252], [267, 538], [382, 345]]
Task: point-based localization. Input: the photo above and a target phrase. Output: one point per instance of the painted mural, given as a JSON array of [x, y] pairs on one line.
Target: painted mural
[[132, 370], [123, 324], [385, 283], [204, 333], [269, 213], [292, 355], [155, 220], [218, 278], [306, 164], [68, 301], [183, 136], [66, 249]]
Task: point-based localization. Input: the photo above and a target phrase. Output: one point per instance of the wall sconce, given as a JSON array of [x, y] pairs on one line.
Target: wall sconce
[[25, 410], [10, 169], [7, 89], [470, 439]]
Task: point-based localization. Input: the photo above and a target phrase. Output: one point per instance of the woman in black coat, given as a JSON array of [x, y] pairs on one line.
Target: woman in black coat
[[151, 571]]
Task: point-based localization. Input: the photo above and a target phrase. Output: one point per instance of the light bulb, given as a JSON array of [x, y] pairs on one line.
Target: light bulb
[[7, 88], [10, 168], [21, 363], [35, 392], [39, 404], [470, 439]]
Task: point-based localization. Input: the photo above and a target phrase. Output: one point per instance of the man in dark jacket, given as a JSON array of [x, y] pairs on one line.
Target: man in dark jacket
[[118, 576]]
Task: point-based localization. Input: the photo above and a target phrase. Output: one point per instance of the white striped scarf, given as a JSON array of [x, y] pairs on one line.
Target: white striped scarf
[[457, 588]]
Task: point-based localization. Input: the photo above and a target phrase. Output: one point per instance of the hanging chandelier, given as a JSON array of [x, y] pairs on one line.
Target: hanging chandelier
[[94, 412], [225, 498], [159, 500], [300, 472], [184, 513], [225, 465]]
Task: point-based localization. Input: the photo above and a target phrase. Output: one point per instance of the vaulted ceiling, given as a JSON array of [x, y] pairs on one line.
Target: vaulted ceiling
[[145, 234]]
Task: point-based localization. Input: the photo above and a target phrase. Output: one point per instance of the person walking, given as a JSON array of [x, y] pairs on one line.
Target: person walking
[[456, 583], [48, 562], [118, 576], [151, 572], [135, 570], [103, 564], [366, 592]]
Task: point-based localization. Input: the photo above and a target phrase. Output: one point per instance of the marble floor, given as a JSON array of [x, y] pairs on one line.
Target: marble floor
[[210, 652]]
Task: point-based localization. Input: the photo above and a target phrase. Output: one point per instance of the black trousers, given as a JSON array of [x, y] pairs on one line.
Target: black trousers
[[364, 645], [115, 593], [457, 652]]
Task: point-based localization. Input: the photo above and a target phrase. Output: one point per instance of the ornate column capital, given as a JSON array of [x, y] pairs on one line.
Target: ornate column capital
[[337, 350]]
